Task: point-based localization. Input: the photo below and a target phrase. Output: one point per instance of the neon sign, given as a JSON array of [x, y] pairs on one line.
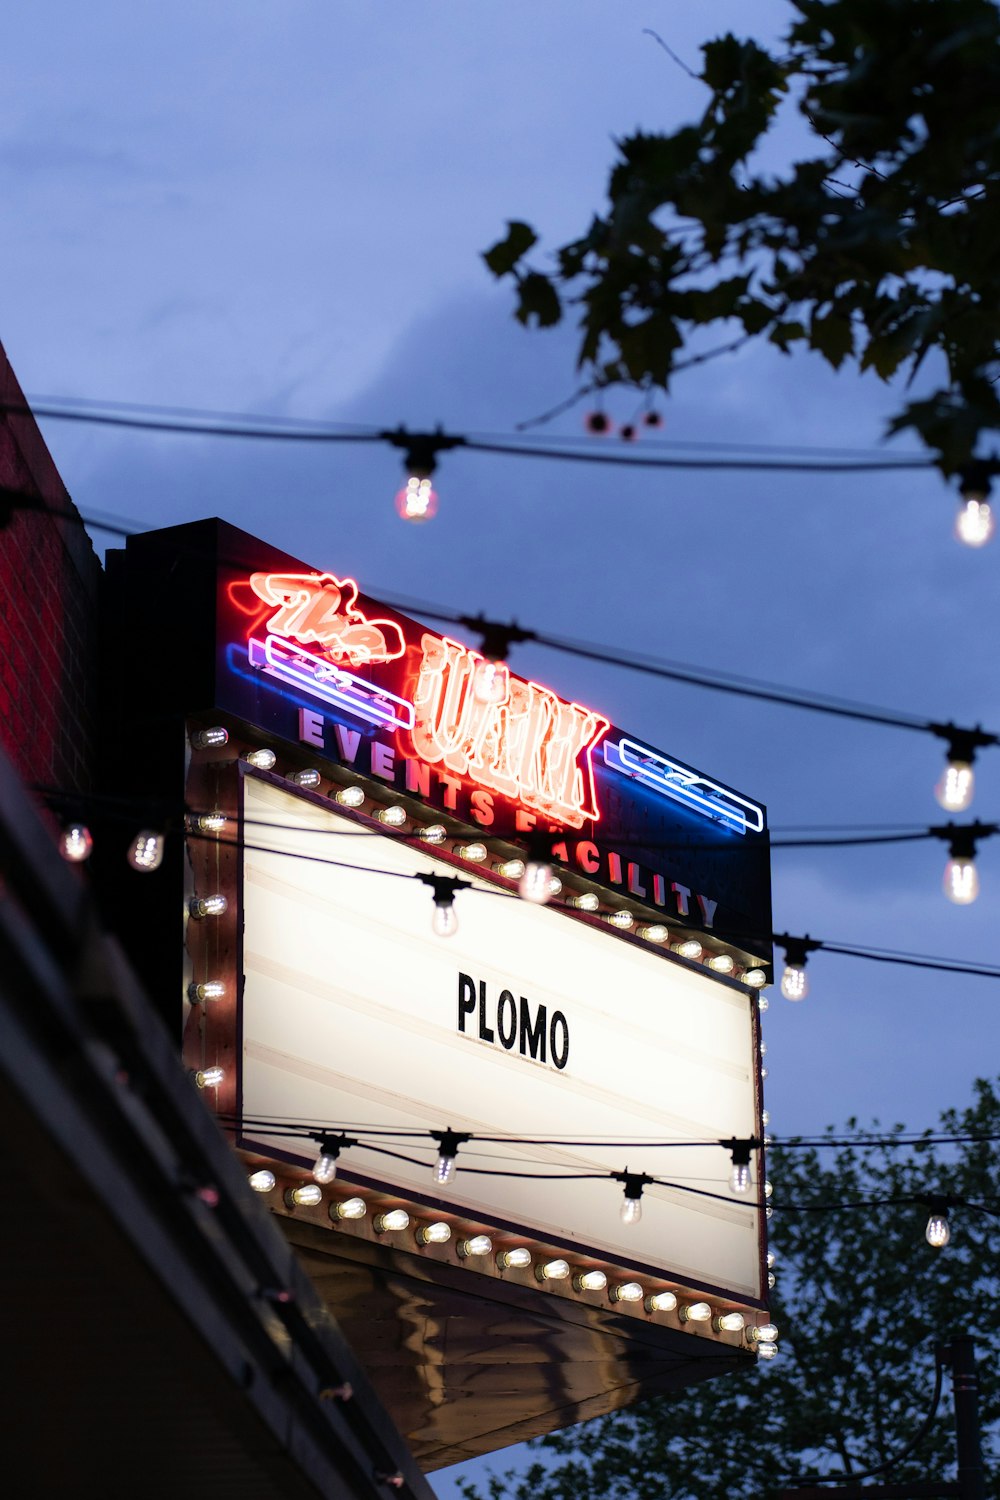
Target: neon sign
[[316, 607], [682, 785], [312, 674], [531, 746]]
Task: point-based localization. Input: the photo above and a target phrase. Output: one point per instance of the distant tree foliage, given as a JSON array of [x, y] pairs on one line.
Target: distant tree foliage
[[861, 1300], [881, 246]]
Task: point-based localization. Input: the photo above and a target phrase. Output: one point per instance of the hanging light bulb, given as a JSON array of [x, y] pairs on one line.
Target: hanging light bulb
[[975, 523], [448, 1144], [491, 682], [75, 843], [938, 1231], [536, 883], [417, 501], [145, 852], [330, 1147], [955, 789], [444, 921], [961, 878], [794, 983], [740, 1178], [630, 1211]]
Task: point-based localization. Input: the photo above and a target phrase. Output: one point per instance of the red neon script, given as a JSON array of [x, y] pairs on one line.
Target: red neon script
[[532, 747], [316, 607]]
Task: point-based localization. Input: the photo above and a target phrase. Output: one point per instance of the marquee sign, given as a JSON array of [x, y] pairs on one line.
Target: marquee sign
[[304, 656]]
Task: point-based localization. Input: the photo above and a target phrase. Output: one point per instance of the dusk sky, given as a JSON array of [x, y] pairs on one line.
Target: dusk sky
[[280, 209]]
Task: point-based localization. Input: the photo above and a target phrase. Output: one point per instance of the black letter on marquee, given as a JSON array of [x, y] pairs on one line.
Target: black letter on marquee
[[559, 1058], [507, 1037], [485, 1034], [466, 999], [533, 1035]]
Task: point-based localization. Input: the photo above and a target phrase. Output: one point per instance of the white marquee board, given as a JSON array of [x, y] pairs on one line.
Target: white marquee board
[[352, 1014]]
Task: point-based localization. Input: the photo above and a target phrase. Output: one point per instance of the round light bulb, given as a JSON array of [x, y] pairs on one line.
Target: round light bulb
[[938, 1231], [306, 1195], [655, 934], [756, 978], [627, 1291], [516, 1259], [433, 1234], [145, 852], [975, 522], [794, 982], [729, 1322], [767, 1351], [263, 1180], [350, 796], [209, 1078], [208, 906], [512, 869], [722, 963], [209, 989], [590, 1281], [696, 1312], [763, 1003], [661, 1302], [263, 759], [308, 779], [622, 919], [445, 1169], [535, 884], [961, 881], [589, 901], [690, 948], [392, 817], [764, 1333], [476, 1244], [552, 1270], [475, 853], [417, 500], [434, 833], [213, 822], [491, 682], [444, 921], [212, 738], [75, 843], [349, 1208], [391, 1221]]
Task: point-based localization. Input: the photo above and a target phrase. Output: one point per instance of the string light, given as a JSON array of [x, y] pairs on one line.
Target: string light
[[535, 885], [954, 791], [448, 1143], [975, 524], [330, 1146], [491, 676], [76, 843], [961, 878], [938, 1231], [145, 853], [740, 1178], [794, 983], [630, 1211], [444, 921], [417, 501]]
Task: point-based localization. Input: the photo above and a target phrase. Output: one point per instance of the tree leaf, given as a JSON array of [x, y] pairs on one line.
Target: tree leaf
[[505, 254]]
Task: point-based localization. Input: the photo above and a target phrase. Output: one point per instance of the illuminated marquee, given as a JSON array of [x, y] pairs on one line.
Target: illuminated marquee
[[318, 607]]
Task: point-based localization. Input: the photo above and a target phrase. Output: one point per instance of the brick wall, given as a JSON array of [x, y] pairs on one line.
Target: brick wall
[[49, 581]]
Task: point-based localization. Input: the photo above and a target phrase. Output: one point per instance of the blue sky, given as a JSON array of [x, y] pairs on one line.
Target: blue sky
[[280, 208]]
